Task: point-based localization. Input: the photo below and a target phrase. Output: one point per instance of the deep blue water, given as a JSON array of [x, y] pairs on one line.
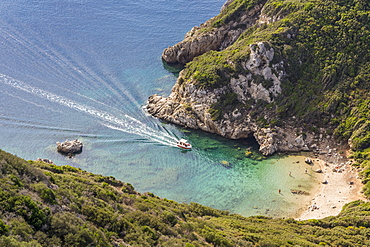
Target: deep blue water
[[83, 69]]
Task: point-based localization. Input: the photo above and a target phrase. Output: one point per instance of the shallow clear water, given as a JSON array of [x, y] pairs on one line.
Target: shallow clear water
[[83, 70]]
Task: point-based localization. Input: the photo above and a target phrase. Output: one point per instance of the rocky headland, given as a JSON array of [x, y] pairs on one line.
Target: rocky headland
[[247, 74], [191, 106], [198, 41]]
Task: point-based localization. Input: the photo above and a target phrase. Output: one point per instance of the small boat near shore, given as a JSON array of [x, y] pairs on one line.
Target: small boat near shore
[[184, 144]]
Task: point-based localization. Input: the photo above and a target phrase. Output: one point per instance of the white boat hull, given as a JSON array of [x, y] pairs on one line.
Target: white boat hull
[[184, 144], [183, 147]]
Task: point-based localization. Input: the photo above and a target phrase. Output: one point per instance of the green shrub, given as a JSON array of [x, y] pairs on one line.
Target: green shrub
[[3, 227], [169, 218]]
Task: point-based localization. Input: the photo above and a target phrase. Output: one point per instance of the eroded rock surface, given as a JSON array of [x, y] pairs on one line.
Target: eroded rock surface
[[259, 77], [197, 41], [69, 147], [191, 106]]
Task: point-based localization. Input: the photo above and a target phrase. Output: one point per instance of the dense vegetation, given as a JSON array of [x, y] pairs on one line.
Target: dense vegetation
[[47, 205], [325, 45]]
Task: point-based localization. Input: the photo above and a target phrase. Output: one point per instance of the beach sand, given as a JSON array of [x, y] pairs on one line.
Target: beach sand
[[343, 186]]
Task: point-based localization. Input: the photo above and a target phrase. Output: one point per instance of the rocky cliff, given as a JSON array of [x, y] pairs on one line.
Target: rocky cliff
[[191, 106], [210, 36], [257, 70]]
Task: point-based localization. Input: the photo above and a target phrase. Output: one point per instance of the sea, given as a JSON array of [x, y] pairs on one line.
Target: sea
[[84, 69]]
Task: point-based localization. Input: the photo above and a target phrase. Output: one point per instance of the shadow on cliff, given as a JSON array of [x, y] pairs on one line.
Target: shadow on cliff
[[173, 68]]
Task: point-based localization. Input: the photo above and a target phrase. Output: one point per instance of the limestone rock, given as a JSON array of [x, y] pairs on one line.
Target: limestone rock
[[260, 65], [259, 78], [191, 106], [197, 42], [227, 3], [69, 147], [266, 138]]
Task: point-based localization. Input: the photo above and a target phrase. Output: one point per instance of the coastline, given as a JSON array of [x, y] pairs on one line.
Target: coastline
[[343, 186]]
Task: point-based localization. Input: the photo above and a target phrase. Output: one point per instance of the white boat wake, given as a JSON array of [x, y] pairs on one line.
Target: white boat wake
[[123, 123]]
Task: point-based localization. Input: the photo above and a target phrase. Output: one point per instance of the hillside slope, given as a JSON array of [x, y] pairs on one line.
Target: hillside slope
[[292, 73], [48, 205]]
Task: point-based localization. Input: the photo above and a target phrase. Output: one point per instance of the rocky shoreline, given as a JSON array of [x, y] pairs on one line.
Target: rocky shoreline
[[228, 109], [190, 107]]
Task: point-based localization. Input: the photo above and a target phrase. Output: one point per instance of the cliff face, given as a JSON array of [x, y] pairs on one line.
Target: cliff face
[[273, 70], [210, 36], [191, 106]]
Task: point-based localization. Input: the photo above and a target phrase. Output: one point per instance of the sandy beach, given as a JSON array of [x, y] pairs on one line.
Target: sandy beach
[[338, 185]]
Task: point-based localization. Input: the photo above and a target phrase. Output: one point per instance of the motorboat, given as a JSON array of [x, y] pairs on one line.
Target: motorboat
[[182, 143]]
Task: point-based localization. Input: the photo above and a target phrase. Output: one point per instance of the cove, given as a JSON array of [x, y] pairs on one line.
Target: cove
[[84, 69]]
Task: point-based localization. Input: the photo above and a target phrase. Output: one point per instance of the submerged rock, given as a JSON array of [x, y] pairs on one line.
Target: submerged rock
[[70, 147], [225, 164]]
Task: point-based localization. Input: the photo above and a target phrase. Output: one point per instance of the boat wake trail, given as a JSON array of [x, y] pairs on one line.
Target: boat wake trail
[[123, 123]]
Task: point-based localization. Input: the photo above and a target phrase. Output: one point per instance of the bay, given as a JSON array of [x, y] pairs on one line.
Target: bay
[[83, 69]]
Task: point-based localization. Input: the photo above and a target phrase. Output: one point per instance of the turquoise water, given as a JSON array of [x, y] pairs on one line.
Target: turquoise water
[[83, 70]]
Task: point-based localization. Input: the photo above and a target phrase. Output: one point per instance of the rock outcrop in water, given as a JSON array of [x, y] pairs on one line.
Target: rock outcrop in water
[[253, 71], [70, 147]]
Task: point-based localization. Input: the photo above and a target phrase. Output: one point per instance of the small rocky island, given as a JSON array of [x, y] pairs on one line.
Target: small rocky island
[[69, 148]]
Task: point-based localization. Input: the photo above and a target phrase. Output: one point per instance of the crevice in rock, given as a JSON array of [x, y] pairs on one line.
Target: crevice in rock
[[252, 143]]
